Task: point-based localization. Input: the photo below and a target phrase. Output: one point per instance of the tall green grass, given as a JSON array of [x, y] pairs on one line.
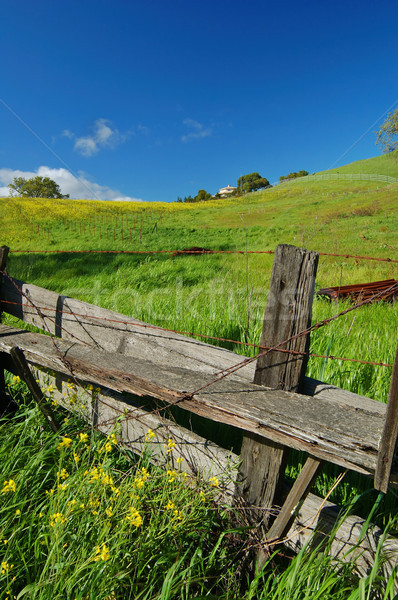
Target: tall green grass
[[82, 519]]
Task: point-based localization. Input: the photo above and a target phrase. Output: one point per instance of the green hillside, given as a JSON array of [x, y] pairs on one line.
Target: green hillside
[[387, 164]]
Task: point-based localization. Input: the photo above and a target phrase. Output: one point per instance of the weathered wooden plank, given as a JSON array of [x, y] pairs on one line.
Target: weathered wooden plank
[[111, 331], [390, 434], [287, 313], [298, 421]]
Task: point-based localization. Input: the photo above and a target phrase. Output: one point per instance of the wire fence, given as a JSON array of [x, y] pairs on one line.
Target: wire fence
[[201, 251], [343, 176]]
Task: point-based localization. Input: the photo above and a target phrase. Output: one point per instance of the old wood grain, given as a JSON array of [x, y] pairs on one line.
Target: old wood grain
[[287, 313]]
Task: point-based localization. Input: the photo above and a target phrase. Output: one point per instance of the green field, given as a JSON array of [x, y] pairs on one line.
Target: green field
[[223, 295]]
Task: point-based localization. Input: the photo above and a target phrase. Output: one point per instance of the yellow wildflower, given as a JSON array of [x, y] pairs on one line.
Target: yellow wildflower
[[170, 505], [134, 517], [83, 437], [180, 460], [5, 567], [16, 379], [65, 443], [139, 483], [57, 518], [76, 457], [102, 553], [63, 474], [177, 514], [144, 474], [149, 435], [9, 486], [172, 475], [112, 439], [214, 481], [170, 445]]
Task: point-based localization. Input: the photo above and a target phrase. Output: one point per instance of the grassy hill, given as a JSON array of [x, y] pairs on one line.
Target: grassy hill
[[224, 294], [387, 164]]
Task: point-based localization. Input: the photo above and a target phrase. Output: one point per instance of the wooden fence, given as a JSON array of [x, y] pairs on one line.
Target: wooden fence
[[145, 377]]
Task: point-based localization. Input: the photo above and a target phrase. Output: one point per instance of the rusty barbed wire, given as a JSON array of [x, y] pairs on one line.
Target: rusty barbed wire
[[203, 251]]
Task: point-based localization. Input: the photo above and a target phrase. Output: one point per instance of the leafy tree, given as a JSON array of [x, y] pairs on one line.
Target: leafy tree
[[36, 187], [251, 183], [387, 136], [202, 196], [293, 175]]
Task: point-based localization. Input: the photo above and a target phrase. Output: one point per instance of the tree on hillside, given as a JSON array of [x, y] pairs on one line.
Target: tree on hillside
[[293, 175], [387, 136], [251, 183], [202, 196], [36, 187]]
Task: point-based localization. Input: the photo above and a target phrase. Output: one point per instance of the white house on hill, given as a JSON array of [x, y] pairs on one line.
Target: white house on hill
[[226, 191]]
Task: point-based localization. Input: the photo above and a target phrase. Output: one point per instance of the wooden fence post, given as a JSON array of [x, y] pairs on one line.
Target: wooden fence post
[[288, 312], [388, 440]]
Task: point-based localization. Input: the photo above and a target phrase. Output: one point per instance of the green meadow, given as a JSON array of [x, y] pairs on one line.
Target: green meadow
[[216, 295]]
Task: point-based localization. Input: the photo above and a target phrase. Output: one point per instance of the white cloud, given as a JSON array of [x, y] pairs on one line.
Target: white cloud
[[197, 131], [68, 134], [104, 136], [77, 187]]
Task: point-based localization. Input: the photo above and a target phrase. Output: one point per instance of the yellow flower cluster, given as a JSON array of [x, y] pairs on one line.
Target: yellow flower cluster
[[170, 445], [9, 486], [110, 442], [57, 518], [102, 553], [149, 435], [140, 479], [65, 443], [134, 517], [63, 474], [5, 567]]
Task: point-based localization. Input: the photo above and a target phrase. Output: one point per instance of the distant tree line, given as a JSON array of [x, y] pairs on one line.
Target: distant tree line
[[247, 183], [201, 196], [293, 175]]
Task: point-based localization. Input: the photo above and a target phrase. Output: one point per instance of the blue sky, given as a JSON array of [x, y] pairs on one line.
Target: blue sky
[[155, 99]]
